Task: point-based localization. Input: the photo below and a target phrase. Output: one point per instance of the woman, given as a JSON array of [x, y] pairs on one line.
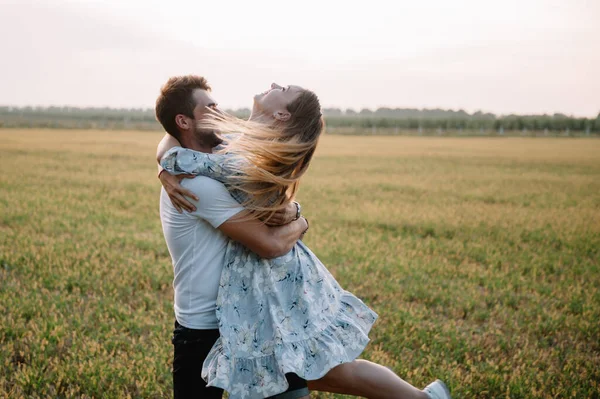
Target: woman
[[288, 314]]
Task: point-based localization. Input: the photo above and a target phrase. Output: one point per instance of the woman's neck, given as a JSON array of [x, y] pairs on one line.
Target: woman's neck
[[261, 118]]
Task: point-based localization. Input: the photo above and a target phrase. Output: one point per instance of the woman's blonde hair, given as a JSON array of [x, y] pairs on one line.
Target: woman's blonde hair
[[269, 160]]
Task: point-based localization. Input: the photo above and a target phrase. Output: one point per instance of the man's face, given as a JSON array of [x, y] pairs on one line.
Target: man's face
[[204, 102]]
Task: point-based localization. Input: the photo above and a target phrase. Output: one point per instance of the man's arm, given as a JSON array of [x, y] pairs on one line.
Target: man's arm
[[284, 216], [265, 241], [216, 206]]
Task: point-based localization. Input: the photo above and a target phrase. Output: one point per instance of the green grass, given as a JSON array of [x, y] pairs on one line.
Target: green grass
[[481, 257]]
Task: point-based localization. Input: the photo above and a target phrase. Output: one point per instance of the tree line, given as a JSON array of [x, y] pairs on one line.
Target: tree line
[[384, 120]]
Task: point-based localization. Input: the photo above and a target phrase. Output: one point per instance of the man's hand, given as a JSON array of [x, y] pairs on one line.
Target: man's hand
[[283, 216], [176, 192]]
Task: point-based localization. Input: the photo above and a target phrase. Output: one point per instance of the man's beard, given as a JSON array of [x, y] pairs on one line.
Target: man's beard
[[207, 137]]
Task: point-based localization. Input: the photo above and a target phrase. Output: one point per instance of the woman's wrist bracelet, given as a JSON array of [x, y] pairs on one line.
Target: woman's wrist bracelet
[[307, 226], [298, 210]]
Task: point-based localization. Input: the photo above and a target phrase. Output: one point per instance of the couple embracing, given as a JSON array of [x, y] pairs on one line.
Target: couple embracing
[[257, 314]]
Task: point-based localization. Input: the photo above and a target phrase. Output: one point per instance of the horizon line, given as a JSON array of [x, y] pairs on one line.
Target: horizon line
[[342, 109]]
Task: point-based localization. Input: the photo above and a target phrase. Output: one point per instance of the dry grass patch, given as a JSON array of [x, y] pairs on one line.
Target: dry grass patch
[[480, 255]]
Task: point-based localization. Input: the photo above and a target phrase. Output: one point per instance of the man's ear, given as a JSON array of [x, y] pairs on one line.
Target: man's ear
[[282, 116], [182, 122]]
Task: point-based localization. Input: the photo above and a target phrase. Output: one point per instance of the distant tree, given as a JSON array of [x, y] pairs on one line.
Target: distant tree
[[332, 111]]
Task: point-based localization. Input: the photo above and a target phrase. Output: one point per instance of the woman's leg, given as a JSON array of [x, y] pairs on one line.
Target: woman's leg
[[367, 379]]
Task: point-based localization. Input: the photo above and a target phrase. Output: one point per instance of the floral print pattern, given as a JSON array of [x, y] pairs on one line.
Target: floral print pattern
[[276, 316]]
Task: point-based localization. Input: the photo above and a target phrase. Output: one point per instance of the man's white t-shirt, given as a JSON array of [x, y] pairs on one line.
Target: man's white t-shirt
[[197, 249]]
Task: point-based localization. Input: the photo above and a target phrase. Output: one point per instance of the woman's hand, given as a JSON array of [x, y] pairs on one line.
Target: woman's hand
[[283, 216], [176, 192]]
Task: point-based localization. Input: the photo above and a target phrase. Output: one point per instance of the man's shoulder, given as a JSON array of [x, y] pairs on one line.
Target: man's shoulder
[[212, 195], [214, 204], [202, 183]]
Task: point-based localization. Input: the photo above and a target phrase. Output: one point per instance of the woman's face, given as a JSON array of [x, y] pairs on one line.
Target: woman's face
[[275, 100]]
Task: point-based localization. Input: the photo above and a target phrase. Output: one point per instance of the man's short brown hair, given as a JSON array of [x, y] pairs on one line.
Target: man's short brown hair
[[176, 98]]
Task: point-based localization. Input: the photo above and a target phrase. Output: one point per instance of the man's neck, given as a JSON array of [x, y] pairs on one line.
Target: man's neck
[[194, 143]]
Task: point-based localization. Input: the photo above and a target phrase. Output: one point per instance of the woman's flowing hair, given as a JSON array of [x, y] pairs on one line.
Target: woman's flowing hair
[[269, 160]]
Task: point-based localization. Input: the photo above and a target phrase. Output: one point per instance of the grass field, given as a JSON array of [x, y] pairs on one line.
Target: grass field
[[481, 256]]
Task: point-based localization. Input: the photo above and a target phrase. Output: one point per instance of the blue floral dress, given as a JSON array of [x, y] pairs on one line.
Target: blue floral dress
[[276, 316]]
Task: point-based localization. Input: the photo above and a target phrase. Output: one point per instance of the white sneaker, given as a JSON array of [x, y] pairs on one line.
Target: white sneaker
[[437, 390]]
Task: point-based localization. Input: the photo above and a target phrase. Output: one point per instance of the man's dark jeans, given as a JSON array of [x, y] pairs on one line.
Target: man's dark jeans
[[191, 347]]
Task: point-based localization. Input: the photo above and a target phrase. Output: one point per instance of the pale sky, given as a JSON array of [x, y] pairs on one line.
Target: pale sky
[[509, 56]]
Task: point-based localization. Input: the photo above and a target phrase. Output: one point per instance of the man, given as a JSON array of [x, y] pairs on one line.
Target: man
[[197, 239]]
